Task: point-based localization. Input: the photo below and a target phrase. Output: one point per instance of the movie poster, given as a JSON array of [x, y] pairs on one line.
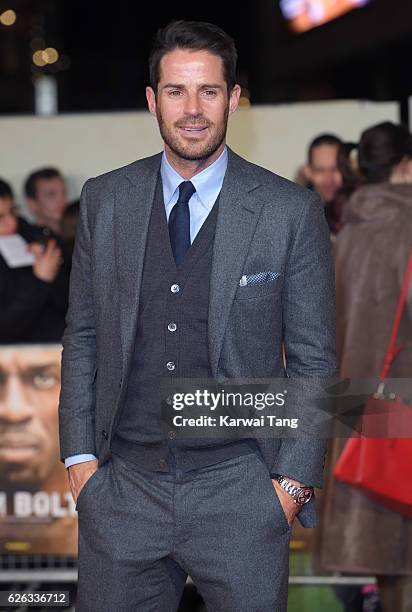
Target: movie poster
[[37, 512]]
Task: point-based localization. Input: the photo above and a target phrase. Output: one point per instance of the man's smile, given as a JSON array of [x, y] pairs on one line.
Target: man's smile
[[196, 130]]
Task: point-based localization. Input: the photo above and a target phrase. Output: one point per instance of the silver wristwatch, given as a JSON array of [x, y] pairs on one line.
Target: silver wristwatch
[[301, 495]]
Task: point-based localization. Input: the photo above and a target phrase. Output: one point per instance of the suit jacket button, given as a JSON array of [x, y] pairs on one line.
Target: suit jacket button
[[120, 382], [105, 434]]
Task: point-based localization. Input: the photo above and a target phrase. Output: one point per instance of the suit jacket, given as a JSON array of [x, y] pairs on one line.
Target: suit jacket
[[265, 222]]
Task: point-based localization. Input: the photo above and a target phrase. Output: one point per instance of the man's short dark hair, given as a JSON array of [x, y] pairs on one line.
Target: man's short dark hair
[[323, 139], [5, 190], [30, 186], [194, 36]]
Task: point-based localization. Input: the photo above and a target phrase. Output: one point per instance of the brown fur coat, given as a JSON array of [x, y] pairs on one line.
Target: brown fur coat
[[357, 535]]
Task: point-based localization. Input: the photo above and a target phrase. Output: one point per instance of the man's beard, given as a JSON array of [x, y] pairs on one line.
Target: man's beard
[[188, 151]]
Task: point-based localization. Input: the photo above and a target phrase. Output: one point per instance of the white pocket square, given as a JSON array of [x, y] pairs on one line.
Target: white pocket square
[[258, 277]]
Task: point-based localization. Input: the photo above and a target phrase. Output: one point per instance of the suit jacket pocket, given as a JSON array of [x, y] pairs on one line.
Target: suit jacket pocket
[[258, 290]]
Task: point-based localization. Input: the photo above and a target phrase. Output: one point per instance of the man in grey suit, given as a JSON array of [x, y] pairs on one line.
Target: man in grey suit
[[192, 263]]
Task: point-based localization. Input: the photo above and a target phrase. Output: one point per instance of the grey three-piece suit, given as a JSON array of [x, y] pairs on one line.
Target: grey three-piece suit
[[142, 530]]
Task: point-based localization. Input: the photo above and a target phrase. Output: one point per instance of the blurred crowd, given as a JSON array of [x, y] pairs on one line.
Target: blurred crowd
[[366, 190], [34, 297]]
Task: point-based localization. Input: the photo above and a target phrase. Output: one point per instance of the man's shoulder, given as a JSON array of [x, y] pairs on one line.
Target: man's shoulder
[[273, 183], [136, 172]]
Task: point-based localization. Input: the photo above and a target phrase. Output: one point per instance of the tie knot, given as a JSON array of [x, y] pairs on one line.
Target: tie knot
[[186, 190]]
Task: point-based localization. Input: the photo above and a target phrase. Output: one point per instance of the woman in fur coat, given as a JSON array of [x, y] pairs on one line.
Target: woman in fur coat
[[358, 535]]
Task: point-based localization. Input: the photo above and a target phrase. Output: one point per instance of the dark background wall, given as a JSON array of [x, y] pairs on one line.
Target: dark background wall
[[103, 50]]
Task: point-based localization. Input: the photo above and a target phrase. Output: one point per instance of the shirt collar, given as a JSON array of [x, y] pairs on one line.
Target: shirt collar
[[207, 183]]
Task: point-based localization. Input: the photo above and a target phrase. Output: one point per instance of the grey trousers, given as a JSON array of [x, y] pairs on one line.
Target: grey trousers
[[142, 532]]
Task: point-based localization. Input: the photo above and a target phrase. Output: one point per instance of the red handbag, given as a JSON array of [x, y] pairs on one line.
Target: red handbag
[[381, 467]]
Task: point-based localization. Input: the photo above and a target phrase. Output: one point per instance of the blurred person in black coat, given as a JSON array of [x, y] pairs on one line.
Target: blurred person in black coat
[[33, 298], [68, 226], [46, 199]]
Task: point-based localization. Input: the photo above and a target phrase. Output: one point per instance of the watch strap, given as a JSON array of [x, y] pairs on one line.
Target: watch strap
[[301, 495]]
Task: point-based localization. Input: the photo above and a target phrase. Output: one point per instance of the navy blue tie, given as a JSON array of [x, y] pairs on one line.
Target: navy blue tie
[[179, 222]]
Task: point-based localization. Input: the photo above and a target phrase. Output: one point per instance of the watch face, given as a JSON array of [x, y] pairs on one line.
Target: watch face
[[304, 496]]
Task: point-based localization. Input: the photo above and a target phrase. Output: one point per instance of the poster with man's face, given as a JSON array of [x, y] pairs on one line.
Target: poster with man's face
[[37, 512]]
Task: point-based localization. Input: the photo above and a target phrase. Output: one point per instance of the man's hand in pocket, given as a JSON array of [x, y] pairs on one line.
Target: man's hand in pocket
[[286, 501], [79, 474]]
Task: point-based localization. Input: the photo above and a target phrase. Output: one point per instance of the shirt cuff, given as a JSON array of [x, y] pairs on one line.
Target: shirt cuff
[[73, 459]]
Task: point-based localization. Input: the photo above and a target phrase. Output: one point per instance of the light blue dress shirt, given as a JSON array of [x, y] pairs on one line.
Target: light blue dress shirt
[[208, 184]]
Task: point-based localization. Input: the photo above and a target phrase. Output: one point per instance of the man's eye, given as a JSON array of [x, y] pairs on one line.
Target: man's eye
[[44, 381], [210, 92], [175, 93]]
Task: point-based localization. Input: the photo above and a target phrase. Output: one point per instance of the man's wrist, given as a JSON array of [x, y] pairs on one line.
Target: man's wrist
[[301, 494], [296, 483], [79, 458]]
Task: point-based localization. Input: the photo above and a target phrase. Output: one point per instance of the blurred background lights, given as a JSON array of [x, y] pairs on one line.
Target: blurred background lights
[[42, 57], [38, 58], [51, 55], [8, 18]]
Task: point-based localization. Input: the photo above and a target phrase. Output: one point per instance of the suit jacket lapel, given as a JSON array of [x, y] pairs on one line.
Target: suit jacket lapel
[[133, 207], [238, 214]]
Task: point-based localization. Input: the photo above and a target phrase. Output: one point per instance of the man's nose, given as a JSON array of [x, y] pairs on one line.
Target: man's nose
[[192, 106], [14, 405]]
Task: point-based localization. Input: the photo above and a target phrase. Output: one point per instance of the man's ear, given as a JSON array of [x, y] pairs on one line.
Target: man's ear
[[32, 205], [234, 98], [151, 100], [307, 172]]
